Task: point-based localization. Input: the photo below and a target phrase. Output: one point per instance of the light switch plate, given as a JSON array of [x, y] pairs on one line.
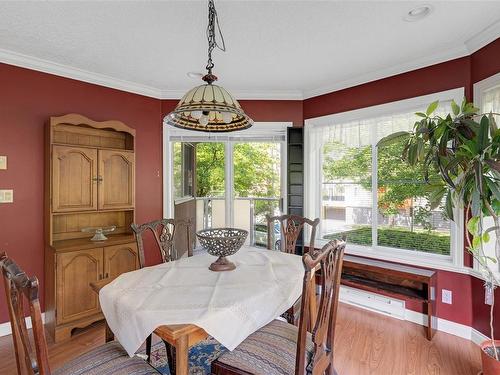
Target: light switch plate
[[447, 296], [6, 196], [3, 162]]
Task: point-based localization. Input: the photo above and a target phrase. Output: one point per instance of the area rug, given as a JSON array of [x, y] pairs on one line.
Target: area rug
[[200, 356]]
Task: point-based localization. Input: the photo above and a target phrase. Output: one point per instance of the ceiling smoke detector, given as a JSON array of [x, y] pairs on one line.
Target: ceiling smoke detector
[[418, 13]]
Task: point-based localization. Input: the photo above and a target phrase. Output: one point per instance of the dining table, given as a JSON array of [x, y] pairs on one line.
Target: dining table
[[183, 302]]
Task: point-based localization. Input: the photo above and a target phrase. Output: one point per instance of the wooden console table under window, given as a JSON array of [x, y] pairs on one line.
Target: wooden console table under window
[[395, 279]]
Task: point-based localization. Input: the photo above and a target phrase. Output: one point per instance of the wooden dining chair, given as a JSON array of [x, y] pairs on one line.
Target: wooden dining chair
[[280, 348], [164, 233], [108, 358], [290, 228]]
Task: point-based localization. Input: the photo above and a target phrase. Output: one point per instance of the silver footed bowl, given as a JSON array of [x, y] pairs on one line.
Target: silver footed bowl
[[222, 242]]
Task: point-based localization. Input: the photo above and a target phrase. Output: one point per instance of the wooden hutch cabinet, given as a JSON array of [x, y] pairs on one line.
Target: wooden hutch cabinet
[[89, 182]]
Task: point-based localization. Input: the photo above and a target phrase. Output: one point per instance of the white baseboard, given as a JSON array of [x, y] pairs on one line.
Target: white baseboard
[[443, 325], [477, 337], [5, 328]]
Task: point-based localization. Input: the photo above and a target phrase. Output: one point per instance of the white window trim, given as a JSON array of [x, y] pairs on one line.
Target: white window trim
[[479, 89], [259, 132], [453, 262], [484, 85]]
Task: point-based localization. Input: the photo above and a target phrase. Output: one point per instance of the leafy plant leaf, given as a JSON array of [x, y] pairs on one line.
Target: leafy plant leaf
[[493, 187], [449, 206], [432, 107], [393, 138], [482, 136], [486, 237], [455, 108], [473, 225]]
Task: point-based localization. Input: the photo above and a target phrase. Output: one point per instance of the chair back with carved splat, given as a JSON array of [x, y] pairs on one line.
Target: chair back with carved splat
[[329, 260], [164, 231], [18, 286], [290, 228]]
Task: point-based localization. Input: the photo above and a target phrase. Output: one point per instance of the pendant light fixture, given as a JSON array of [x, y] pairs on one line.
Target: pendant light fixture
[[209, 107]]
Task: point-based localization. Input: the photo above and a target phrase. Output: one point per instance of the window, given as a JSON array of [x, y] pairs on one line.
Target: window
[[487, 99], [369, 193], [234, 178]]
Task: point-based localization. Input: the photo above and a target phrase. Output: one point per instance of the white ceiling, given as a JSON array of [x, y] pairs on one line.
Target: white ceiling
[[275, 49]]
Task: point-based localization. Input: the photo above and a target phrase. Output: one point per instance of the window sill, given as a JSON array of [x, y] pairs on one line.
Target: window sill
[[412, 258]]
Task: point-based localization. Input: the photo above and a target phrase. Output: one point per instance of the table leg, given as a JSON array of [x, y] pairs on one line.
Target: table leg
[[109, 335], [149, 340], [181, 355], [170, 349]]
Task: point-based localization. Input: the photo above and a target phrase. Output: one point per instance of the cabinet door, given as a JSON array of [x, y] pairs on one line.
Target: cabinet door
[[117, 179], [75, 271], [119, 259], [74, 179]]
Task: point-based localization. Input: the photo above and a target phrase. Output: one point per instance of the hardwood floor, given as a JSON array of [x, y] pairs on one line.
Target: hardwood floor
[[366, 344]]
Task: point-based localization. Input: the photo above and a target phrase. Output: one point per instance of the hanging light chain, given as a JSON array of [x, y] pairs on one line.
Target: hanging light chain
[[213, 29]]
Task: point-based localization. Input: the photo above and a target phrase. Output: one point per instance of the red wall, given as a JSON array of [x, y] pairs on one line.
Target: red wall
[[28, 98], [468, 294], [435, 78], [485, 63]]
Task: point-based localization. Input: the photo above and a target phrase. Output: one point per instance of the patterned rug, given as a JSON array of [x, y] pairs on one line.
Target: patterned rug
[[200, 357]]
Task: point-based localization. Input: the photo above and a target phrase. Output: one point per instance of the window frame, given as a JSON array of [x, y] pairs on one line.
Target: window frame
[[313, 165], [259, 132], [479, 88]]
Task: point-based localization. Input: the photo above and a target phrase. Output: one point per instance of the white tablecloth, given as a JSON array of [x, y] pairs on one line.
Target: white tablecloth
[[227, 305]]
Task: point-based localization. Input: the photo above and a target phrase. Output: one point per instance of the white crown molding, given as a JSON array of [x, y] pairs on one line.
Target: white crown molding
[[244, 94], [481, 39], [478, 41], [423, 62], [41, 65], [473, 44]]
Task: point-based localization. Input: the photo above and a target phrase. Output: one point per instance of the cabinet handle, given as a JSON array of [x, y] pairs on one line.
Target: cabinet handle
[[100, 276], [95, 179], [106, 275], [99, 178]]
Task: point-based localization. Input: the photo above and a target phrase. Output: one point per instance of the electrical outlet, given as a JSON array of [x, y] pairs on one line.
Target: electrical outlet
[[446, 296], [3, 162], [6, 196]]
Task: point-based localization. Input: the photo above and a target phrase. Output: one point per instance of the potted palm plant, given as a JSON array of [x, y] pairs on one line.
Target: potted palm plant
[[463, 148]]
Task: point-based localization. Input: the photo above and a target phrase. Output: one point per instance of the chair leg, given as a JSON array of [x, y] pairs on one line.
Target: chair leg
[[170, 357], [289, 316], [148, 347]]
